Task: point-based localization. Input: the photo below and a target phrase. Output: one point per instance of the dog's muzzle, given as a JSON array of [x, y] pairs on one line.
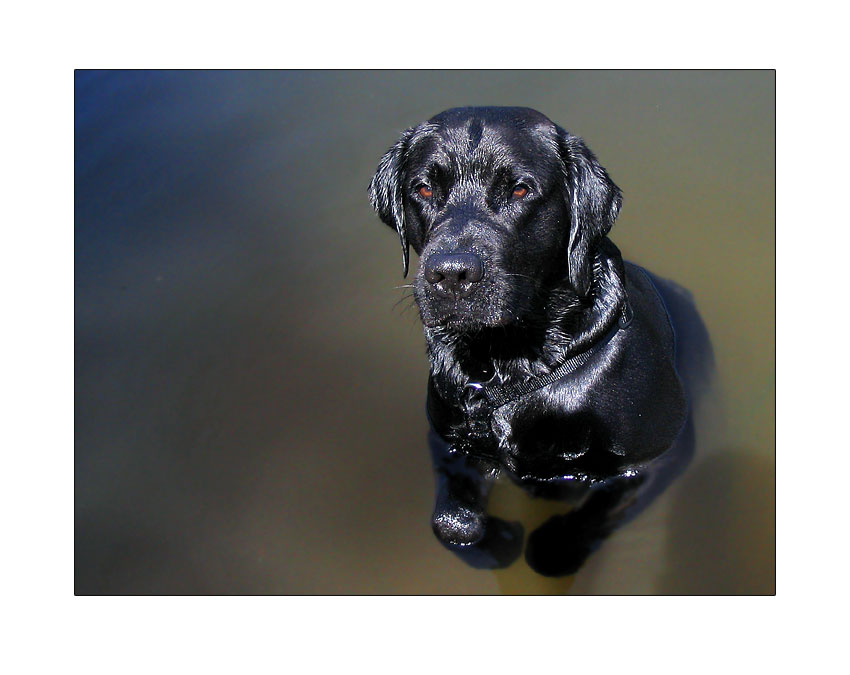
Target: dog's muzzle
[[453, 275]]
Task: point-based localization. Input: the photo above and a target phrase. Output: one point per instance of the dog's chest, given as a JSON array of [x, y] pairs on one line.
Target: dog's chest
[[554, 421]]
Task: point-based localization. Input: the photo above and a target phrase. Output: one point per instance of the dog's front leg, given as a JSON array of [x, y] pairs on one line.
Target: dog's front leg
[[561, 545], [460, 519]]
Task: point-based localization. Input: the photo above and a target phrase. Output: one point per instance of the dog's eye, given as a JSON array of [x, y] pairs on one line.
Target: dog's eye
[[425, 191], [519, 191]]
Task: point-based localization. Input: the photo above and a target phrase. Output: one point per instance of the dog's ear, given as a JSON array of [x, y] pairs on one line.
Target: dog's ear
[[385, 191], [594, 202]]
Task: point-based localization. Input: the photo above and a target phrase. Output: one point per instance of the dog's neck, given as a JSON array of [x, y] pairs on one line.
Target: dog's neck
[[532, 348]]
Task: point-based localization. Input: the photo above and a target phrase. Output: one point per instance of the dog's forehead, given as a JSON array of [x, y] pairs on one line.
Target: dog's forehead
[[491, 116], [500, 135]]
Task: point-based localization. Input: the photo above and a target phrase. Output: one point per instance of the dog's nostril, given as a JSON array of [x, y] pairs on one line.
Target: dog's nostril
[[454, 273], [432, 276], [472, 269]]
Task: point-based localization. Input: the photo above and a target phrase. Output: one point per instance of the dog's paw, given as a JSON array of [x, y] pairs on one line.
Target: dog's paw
[[500, 545], [459, 526], [560, 546]]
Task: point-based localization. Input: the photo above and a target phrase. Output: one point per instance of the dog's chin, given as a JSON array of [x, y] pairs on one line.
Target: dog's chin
[[464, 322], [457, 324]]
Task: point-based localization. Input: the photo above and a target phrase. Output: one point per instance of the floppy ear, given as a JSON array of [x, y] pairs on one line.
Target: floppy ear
[[385, 191], [594, 202]]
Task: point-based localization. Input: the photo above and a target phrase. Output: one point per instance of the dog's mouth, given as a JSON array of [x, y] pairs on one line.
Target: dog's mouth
[[463, 317], [496, 303]]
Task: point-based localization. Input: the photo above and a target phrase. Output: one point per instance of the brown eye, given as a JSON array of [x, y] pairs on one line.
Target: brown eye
[[519, 192], [426, 191]]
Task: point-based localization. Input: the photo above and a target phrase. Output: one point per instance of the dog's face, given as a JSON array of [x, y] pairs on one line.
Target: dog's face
[[500, 204]]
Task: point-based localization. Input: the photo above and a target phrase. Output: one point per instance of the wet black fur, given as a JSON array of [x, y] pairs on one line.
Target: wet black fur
[[553, 286]]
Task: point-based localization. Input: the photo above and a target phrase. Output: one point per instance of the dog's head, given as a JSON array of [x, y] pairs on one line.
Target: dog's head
[[500, 204]]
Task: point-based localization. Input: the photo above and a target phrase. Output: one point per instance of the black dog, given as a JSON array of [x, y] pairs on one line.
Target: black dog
[[552, 359]]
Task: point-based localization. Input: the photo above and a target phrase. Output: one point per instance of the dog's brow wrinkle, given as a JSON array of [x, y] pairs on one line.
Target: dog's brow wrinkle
[[475, 131]]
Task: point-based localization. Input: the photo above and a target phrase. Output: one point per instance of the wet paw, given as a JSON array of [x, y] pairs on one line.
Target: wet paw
[[500, 545], [460, 526], [559, 547]]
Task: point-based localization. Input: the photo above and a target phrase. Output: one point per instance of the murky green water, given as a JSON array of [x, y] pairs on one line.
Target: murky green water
[[249, 403]]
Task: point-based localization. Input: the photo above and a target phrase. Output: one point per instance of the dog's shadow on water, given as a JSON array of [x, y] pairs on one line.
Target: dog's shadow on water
[[605, 513], [715, 526], [721, 537]]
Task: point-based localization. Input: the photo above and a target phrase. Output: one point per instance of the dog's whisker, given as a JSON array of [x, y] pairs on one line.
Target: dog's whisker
[[404, 298], [411, 303]]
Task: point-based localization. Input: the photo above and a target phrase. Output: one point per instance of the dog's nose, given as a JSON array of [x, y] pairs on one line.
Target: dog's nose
[[454, 274]]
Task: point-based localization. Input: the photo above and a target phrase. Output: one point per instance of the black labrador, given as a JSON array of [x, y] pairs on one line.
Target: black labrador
[[552, 359]]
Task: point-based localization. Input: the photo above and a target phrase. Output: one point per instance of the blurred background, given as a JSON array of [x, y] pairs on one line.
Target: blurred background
[[249, 403]]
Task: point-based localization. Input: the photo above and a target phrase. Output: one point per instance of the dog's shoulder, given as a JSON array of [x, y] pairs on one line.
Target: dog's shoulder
[[649, 307], [642, 399], [693, 352]]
